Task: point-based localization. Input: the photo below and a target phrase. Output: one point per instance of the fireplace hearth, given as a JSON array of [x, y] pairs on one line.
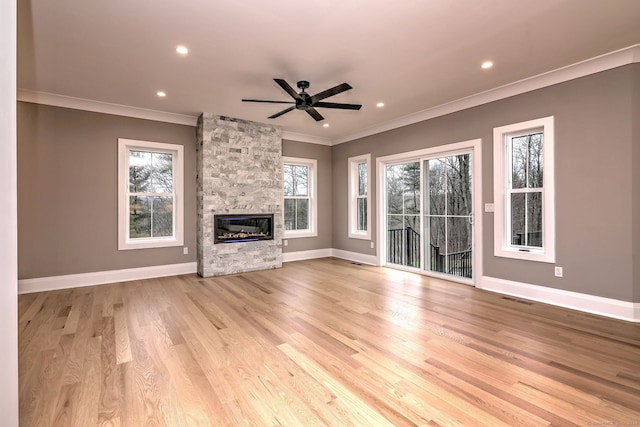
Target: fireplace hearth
[[243, 228]]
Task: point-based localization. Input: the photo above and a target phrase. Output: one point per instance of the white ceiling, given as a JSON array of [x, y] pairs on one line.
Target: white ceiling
[[411, 54]]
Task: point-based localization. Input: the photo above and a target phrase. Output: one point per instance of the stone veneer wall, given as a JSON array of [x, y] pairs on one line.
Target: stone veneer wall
[[239, 166]]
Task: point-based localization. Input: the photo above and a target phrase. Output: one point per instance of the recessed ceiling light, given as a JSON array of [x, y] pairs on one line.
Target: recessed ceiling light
[[380, 104], [161, 93], [326, 125], [486, 65], [182, 50]]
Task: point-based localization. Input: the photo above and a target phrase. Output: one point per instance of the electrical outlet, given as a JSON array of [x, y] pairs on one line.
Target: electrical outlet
[[373, 245], [185, 250], [285, 242], [558, 272], [488, 207]]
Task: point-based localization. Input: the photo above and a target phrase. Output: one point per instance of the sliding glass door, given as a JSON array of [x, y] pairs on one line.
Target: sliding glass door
[[448, 215], [429, 214]]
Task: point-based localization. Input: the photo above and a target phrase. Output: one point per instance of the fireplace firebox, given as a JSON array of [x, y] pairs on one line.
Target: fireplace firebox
[[243, 228]]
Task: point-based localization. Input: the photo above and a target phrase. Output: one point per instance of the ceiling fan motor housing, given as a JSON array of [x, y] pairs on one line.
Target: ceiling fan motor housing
[[303, 102]]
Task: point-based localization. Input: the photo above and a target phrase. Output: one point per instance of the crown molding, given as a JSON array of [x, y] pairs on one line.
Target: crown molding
[[103, 107], [587, 67], [300, 137]]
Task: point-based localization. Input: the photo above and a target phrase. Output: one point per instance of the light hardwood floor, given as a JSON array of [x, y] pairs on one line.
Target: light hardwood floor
[[320, 342]]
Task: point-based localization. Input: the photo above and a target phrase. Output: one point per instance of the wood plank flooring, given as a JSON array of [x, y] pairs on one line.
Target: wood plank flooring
[[320, 342]]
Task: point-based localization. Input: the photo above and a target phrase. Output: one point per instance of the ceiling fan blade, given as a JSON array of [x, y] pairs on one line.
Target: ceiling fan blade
[[314, 113], [287, 88], [271, 102], [330, 92], [338, 105], [276, 115]]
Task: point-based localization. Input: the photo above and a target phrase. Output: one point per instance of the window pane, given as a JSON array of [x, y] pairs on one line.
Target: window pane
[[535, 161], [139, 171], [459, 185], [395, 239], [161, 173], [296, 180], [302, 214], [519, 148], [139, 217], [296, 214], [518, 219], [411, 181], [289, 214], [436, 181], [534, 219], [362, 214], [162, 219], [150, 172], [394, 190], [362, 179]]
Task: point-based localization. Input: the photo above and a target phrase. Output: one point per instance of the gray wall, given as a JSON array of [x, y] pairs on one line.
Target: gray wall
[[67, 191], [322, 153], [594, 174]]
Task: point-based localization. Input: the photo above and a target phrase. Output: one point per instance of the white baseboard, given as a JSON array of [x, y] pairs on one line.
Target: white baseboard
[[608, 307], [328, 252], [355, 256], [302, 255], [41, 284]]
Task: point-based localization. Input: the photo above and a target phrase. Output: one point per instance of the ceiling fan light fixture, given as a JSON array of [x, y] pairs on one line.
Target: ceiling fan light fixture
[[305, 102]]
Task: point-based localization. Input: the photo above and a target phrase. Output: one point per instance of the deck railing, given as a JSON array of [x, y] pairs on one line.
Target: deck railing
[[403, 248]]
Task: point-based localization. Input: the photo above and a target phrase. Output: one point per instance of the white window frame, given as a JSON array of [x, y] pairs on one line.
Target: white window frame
[[353, 178], [502, 176], [312, 231], [124, 241]]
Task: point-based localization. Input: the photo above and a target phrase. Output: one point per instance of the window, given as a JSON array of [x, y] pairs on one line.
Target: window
[[524, 219], [359, 189], [300, 197], [150, 201]]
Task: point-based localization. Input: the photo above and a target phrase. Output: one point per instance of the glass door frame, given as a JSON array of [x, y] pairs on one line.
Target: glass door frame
[[473, 147]]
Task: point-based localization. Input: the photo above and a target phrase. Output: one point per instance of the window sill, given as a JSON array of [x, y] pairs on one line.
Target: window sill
[[299, 234], [149, 244], [360, 235], [537, 256]]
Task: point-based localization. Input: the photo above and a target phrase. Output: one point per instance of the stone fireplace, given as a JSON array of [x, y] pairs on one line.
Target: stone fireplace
[[239, 166]]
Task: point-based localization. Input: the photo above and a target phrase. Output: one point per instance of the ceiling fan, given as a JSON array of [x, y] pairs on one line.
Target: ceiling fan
[[309, 103]]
